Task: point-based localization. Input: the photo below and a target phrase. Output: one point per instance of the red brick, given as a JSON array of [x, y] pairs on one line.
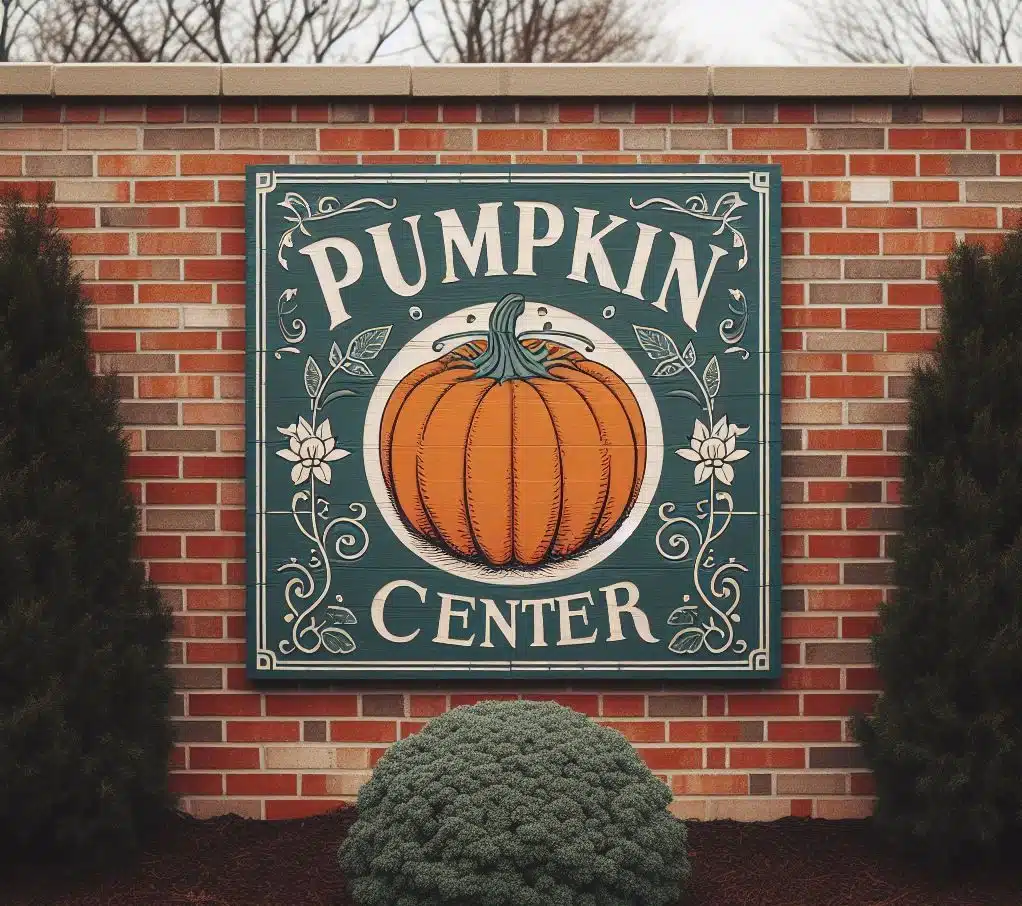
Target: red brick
[[996, 139], [262, 784], [229, 216], [961, 218], [624, 705], [216, 599], [205, 269], [153, 467], [180, 493], [174, 190], [186, 573], [220, 547], [882, 164], [356, 139], [845, 386], [844, 439], [810, 164], [323, 704], [755, 138], [159, 547], [926, 139], [427, 705], [815, 678], [921, 190], [663, 759], [211, 758], [209, 164], [696, 731], [844, 546], [874, 466], [187, 626], [214, 467], [918, 243], [646, 113], [262, 731], [576, 113], [639, 730], [839, 705], [583, 139], [217, 705], [793, 216], [191, 784], [761, 705], [137, 165], [799, 627], [215, 652], [363, 731], [804, 731], [844, 243], [888, 218], [767, 758]]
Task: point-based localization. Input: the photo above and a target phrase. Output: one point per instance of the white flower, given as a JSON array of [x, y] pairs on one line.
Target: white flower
[[310, 451], [714, 451]]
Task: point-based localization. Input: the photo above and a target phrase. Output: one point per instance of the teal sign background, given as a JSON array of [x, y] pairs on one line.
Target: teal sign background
[[662, 281]]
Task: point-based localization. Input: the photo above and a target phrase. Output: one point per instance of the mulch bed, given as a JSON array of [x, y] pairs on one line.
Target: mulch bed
[[232, 861]]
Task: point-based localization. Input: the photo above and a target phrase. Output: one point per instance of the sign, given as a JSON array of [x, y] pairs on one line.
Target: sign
[[513, 421]]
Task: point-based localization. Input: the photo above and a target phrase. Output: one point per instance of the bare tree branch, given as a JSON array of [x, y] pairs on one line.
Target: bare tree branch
[[910, 31], [537, 31]]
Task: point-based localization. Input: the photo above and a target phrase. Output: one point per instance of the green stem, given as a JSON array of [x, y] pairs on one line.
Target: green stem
[[505, 358]]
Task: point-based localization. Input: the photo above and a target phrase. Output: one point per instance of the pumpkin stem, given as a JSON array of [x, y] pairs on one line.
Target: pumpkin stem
[[505, 358]]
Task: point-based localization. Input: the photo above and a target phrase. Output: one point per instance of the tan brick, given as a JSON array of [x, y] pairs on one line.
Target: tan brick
[[214, 316], [102, 139], [810, 268], [747, 810], [689, 809], [841, 809], [842, 139], [836, 757], [137, 363], [215, 808], [1000, 191], [289, 139], [91, 190], [811, 784], [844, 341], [186, 441], [877, 413], [239, 139], [676, 706], [203, 520], [350, 758], [883, 269], [149, 413], [846, 294], [197, 677], [58, 165], [839, 653], [317, 758], [139, 316], [179, 139], [21, 139], [346, 784], [811, 413], [698, 139], [383, 705], [645, 139]]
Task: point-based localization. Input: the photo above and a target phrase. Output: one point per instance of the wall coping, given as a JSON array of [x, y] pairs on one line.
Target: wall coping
[[505, 80]]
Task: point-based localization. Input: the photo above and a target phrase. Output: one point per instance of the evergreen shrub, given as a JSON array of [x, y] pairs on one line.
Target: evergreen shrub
[[945, 739], [514, 804], [84, 687]]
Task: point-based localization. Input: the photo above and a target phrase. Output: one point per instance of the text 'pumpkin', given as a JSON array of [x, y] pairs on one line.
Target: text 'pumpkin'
[[513, 452]]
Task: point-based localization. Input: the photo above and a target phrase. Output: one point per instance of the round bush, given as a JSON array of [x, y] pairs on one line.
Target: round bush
[[514, 804]]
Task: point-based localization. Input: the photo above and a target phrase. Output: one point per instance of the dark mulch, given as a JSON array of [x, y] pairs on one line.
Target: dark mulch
[[236, 862]]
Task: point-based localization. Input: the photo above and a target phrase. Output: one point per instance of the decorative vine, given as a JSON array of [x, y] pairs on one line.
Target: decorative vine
[[327, 206], [723, 214], [709, 623], [311, 450]]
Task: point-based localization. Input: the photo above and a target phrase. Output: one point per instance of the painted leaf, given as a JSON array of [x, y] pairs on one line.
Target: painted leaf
[[337, 641], [681, 617], [313, 377], [340, 615], [687, 641], [656, 344], [356, 368], [335, 355], [337, 394], [668, 369], [688, 357], [689, 394], [711, 377], [368, 344]]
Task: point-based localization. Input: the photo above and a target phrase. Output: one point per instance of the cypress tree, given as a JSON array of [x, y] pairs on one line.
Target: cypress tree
[[945, 739], [84, 686]]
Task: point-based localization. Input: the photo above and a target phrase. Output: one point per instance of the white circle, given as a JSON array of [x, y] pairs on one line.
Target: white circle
[[419, 350]]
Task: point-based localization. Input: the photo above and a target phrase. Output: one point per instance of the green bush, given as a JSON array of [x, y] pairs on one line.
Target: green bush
[[945, 739], [84, 686], [514, 804]]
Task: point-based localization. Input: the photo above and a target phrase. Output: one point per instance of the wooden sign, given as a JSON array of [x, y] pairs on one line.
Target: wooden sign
[[513, 421]]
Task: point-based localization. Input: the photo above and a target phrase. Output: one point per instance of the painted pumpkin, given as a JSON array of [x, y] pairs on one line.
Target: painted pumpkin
[[513, 452]]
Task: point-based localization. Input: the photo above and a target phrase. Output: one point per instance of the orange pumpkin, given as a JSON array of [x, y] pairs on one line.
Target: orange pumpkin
[[512, 452]]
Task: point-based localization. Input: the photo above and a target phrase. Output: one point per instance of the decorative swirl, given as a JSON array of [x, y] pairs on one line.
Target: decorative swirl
[[355, 545], [295, 332], [678, 538], [326, 207], [723, 214], [731, 331]]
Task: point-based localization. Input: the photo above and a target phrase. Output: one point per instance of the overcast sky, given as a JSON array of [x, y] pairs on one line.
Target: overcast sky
[[736, 31]]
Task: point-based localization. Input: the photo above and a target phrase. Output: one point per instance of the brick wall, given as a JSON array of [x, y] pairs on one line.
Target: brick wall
[[875, 194]]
